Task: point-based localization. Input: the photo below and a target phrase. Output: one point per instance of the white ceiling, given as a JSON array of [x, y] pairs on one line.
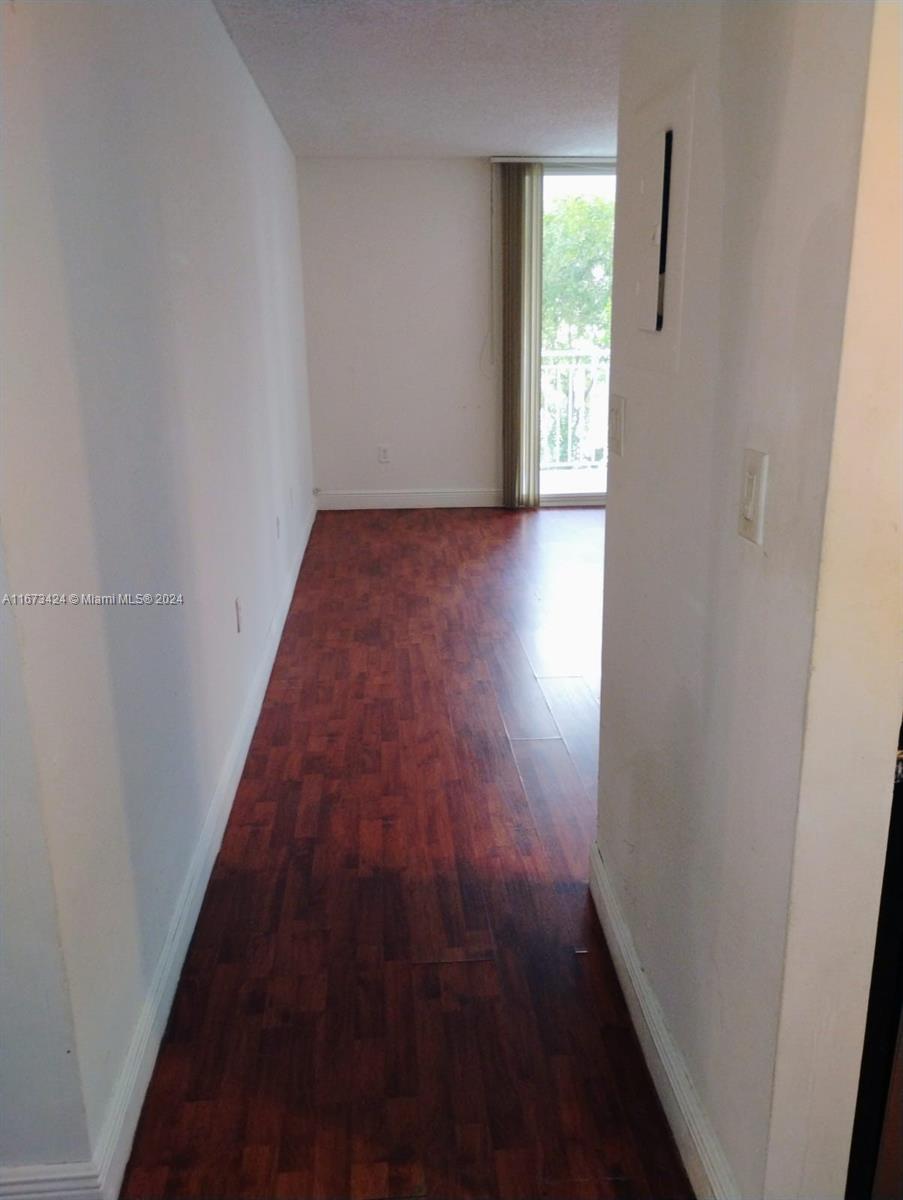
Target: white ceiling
[[432, 78]]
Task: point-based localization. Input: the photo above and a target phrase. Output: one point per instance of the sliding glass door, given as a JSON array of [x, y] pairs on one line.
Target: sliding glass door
[[577, 238]]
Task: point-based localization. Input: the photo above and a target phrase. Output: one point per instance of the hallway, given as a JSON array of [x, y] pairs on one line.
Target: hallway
[[397, 986]]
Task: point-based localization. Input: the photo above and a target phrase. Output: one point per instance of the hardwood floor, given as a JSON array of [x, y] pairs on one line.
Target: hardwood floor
[[396, 986]]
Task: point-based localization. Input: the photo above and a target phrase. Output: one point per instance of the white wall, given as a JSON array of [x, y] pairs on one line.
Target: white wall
[[42, 1118], [856, 683], [397, 263], [708, 638], [155, 428]]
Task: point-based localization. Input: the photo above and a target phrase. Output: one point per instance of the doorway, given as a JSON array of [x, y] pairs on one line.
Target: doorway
[[876, 1154], [578, 210]]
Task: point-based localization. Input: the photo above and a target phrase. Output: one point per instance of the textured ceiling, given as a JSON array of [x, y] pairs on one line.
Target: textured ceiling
[[431, 78]]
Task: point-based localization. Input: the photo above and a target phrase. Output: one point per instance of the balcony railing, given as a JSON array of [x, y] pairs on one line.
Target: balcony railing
[[574, 419]]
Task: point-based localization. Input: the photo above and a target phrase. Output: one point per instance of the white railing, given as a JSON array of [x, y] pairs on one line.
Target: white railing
[[574, 422]]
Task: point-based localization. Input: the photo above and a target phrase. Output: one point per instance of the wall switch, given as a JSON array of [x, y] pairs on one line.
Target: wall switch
[[752, 496], [616, 406], [382, 454]]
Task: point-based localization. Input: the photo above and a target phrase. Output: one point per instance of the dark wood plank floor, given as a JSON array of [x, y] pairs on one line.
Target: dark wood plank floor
[[396, 986]]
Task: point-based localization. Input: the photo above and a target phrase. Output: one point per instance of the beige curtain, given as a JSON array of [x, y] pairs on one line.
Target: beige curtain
[[521, 271]]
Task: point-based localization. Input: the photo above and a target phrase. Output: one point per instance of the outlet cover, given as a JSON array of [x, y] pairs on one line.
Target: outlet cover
[[616, 406], [753, 486]]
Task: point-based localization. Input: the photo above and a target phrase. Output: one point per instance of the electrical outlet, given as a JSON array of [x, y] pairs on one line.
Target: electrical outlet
[[752, 496], [616, 406], [382, 454]]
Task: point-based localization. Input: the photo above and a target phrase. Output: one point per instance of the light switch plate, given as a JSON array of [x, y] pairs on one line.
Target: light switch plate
[[753, 486], [616, 406]]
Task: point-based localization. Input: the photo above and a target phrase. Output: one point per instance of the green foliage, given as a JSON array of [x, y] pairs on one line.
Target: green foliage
[[576, 288]]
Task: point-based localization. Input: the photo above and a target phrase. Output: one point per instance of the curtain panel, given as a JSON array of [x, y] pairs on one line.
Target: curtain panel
[[521, 280]]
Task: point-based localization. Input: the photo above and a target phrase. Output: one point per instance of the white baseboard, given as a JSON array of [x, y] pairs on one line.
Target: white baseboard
[[412, 498], [101, 1178], [699, 1147], [67, 1181]]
